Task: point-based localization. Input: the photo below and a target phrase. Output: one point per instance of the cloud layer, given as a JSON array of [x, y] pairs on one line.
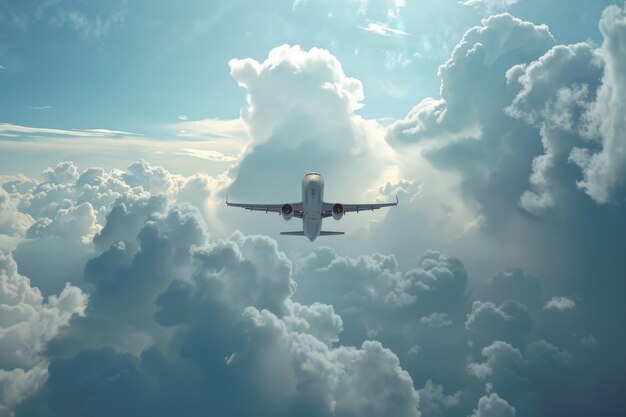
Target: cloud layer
[[121, 295]]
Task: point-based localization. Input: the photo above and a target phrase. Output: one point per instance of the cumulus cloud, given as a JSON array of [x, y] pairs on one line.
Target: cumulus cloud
[[27, 323], [436, 320], [300, 115], [12, 221], [603, 171], [63, 173], [170, 306], [557, 92], [315, 76], [509, 321], [465, 130], [483, 51], [560, 303], [434, 402], [228, 306], [493, 406]]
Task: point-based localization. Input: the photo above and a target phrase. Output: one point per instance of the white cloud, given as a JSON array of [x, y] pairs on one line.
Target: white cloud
[[434, 402], [63, 173], [217, 140], [33, 131], [12, 221], [604, 171], [210, 129], [310, 77], [468, 94], [18, 384], [560, 303], [499, 355], [27, 323], [410, 188], [436, 320], [493, 406], [490, 6], [300, 116], [39, 107], [383, 29], [509, 322], [208, 154], [557, 89]]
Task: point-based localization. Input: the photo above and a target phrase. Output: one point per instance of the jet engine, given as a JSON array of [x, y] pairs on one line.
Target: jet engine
[[286, 211], [338, 211]]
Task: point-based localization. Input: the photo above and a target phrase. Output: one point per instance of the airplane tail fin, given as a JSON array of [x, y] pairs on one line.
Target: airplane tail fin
[[300, 233], [325, 233]]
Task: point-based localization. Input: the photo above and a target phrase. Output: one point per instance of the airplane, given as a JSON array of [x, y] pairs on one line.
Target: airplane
[[312, 209]]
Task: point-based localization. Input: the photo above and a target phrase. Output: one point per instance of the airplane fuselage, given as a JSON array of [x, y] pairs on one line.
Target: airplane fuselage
[[312, 204]]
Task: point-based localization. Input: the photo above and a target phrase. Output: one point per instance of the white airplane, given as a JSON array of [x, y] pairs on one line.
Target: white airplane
[[312, 209]]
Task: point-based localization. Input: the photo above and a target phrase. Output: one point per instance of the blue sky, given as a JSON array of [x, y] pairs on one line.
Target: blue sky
[[128, 287], [138, 65]]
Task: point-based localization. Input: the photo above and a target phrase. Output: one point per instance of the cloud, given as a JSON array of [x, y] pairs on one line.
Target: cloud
[[320, 78], [64, 172], [476, 138], [522, 376], [72, 207], [12, 221], [171, 306], [509, 322], [500, 355], [490, 6], [229, 303], [560, 303], [300, 112], [28, 321], [39, 107], [485, 50], [410, 188], [383, 29], [434, 402], [556, 94], [493, 406], [182, 319], [27, 131], [210, 129], [603, 171], [436, 320]]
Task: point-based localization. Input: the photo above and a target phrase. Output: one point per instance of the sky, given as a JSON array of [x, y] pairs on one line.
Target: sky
[[494, 289]]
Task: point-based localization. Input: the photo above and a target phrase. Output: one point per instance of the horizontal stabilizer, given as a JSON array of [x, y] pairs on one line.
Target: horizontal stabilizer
[[300, 233], [325, 233]]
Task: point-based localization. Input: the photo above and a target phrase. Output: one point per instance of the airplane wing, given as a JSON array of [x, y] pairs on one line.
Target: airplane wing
[[327, 209], [273, 208]]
